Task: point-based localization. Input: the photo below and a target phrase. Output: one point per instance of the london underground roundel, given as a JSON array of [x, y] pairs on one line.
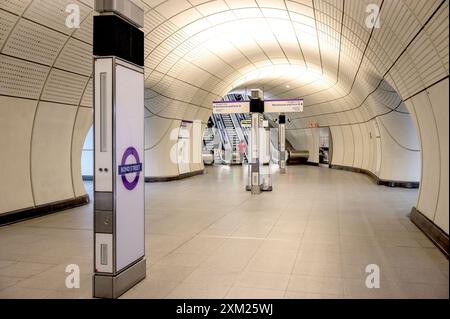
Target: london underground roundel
[[130, 172]]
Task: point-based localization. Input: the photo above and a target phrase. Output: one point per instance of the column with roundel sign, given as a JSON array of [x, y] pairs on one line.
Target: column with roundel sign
[[282, 143], [119, 234]]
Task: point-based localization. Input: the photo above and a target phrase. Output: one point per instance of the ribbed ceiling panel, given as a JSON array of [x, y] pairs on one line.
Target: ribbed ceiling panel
[[197, 51]]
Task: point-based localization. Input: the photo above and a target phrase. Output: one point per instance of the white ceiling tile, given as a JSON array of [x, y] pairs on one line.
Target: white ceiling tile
[[171, 8]]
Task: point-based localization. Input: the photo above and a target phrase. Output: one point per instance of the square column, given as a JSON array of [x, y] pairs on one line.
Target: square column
[[257, 180], [282, 143], [255, 161], [119, 222]]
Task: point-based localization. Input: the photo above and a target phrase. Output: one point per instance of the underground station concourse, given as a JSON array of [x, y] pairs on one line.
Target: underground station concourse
[[214, 149]]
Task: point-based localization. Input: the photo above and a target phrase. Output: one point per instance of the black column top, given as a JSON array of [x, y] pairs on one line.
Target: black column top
[[256, 106], [114, 36]]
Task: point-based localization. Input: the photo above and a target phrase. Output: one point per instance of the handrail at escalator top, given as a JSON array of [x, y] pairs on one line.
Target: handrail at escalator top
[[220, 126]]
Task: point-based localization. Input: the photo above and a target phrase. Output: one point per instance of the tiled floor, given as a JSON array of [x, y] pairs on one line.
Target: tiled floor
[[312, 237]]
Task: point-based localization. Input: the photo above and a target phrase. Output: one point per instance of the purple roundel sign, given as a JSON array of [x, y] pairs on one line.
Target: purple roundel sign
[[129, 169]]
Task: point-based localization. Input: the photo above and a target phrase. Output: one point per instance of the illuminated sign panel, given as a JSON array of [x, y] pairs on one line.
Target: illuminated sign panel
[[231, 107], [283, 106]]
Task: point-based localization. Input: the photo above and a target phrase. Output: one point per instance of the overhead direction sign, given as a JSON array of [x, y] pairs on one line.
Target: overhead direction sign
[[225, 107], [283, 106]]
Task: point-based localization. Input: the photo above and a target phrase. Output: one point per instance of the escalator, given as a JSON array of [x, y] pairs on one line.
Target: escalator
[[221, 153], [228, 129], [232, 136], [208, 146], [242, 123]]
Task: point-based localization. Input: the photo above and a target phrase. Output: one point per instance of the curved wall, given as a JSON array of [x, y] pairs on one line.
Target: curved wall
[[166, 156], [395, 158], [16, 121], [41, 146], [45, 103], [352, 77], [431, 113], [158, 145], [305, 140]]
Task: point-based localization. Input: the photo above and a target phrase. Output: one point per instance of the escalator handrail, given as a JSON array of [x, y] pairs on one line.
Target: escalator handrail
[[221, 126]]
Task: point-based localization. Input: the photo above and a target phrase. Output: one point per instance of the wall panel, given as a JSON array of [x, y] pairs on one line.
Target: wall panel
[[16, 119], [51, 153], [429, 186], [83, 123], [439, 99]]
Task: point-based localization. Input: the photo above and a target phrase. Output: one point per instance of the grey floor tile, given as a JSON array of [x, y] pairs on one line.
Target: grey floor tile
[[311, 237]]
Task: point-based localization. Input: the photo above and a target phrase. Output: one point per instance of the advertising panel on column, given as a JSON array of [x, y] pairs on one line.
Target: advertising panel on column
[[129, 157]]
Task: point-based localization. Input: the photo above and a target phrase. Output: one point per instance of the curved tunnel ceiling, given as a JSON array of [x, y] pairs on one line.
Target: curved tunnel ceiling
[[382, 91], [197, 51], [214, 45]]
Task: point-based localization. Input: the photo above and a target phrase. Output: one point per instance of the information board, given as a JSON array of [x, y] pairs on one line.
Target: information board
[[231, 107], [283, 106]]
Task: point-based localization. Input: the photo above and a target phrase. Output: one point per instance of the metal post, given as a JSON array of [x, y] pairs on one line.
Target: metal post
[[256, 111], [255, 161]]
